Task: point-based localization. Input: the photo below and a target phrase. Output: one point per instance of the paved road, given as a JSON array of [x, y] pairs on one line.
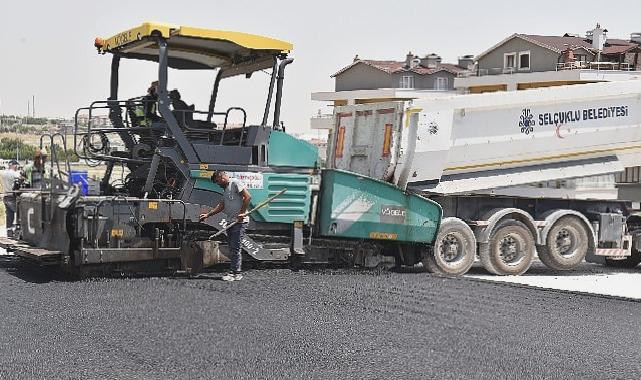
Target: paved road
[[309, 324]]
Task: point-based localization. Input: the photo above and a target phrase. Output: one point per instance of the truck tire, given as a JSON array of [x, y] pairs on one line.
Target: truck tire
[[566, 244], [510, 249], [454, 249]]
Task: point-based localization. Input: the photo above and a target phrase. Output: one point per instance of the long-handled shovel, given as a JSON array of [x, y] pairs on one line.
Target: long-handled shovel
[[258, 206]]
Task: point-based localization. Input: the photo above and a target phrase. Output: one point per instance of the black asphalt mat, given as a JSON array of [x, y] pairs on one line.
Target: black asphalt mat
[[278, 323]]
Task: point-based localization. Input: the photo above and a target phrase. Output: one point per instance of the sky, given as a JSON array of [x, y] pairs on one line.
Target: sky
[[46, 47]]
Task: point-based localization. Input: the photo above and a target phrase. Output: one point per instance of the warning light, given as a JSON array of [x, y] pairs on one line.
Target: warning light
[[99, 43]]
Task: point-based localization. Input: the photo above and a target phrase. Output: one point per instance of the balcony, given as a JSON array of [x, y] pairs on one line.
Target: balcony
[[578, 65], [485, 72], [599, 66]]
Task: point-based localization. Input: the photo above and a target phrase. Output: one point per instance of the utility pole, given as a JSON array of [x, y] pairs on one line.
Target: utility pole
[[33, 105]]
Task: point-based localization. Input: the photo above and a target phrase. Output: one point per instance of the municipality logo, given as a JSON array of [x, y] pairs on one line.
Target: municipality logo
[[432, 128], [527, 122]]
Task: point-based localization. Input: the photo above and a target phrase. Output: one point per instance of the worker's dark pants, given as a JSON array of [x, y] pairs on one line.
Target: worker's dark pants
[[9, 209], [235, 235]]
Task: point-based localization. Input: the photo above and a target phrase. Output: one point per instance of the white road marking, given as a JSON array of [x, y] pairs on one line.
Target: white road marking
[[595, 279]]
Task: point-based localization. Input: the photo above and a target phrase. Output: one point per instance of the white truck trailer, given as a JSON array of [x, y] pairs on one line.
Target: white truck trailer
[[478, 156]]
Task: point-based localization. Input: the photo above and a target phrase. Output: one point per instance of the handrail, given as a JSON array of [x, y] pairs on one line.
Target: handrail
[[64, 149], [561, 66], [595, 65], [186, 126], [108, 104], [136, 102], [222, 135], [54, 160], [54, 154]]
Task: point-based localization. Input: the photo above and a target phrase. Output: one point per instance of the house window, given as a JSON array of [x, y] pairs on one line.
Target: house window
[[441, 84], [581, 57], [509, 61], [407, 81], [524, 60]]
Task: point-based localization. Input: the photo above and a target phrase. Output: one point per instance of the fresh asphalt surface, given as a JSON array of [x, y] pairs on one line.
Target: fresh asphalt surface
[[277, 323]]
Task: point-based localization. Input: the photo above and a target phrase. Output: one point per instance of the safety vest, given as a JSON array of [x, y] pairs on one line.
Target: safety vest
[[141, 116], [148, 110], [35, 177]]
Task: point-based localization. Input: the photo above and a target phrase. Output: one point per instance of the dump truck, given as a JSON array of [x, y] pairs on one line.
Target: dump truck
[[484, 158]]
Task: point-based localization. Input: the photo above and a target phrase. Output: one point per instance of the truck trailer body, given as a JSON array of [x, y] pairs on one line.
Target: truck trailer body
[[477, 156]]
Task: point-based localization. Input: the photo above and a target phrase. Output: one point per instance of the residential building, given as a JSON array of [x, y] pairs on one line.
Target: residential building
[[523, 61], [427, 73], [366, 81]]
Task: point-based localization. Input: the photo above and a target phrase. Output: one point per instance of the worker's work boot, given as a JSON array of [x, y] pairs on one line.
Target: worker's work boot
[[232, 276]]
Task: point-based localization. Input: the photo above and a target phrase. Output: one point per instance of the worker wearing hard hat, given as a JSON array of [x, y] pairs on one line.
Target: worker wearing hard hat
[[35, 171]]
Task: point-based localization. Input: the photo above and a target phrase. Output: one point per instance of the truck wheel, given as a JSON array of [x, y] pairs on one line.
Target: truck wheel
[[566, 246], [510, 249], [454, 249]]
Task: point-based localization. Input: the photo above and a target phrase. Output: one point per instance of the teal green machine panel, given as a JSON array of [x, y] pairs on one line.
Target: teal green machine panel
[[360, 207], [287, 150], [291, 206]]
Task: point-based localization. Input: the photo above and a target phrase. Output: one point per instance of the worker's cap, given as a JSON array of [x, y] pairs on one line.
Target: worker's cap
[[13, 162]]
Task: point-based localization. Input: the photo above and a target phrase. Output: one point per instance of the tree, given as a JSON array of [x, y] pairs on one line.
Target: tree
[[9, 147]]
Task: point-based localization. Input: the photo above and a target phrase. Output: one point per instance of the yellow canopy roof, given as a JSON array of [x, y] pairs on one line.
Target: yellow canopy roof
[[197, 48]]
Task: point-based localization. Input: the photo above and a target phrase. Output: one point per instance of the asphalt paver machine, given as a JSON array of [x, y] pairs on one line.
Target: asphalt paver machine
[[149, 220]]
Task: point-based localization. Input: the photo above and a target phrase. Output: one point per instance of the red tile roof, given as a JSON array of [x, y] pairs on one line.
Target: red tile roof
[[387, 66], [616, 41], [620, 49], [392, 67], [449, 67], [560, 43], [557, 43]]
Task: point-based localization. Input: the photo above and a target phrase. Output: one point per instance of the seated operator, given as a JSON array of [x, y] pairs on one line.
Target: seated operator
[[183, 113]]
